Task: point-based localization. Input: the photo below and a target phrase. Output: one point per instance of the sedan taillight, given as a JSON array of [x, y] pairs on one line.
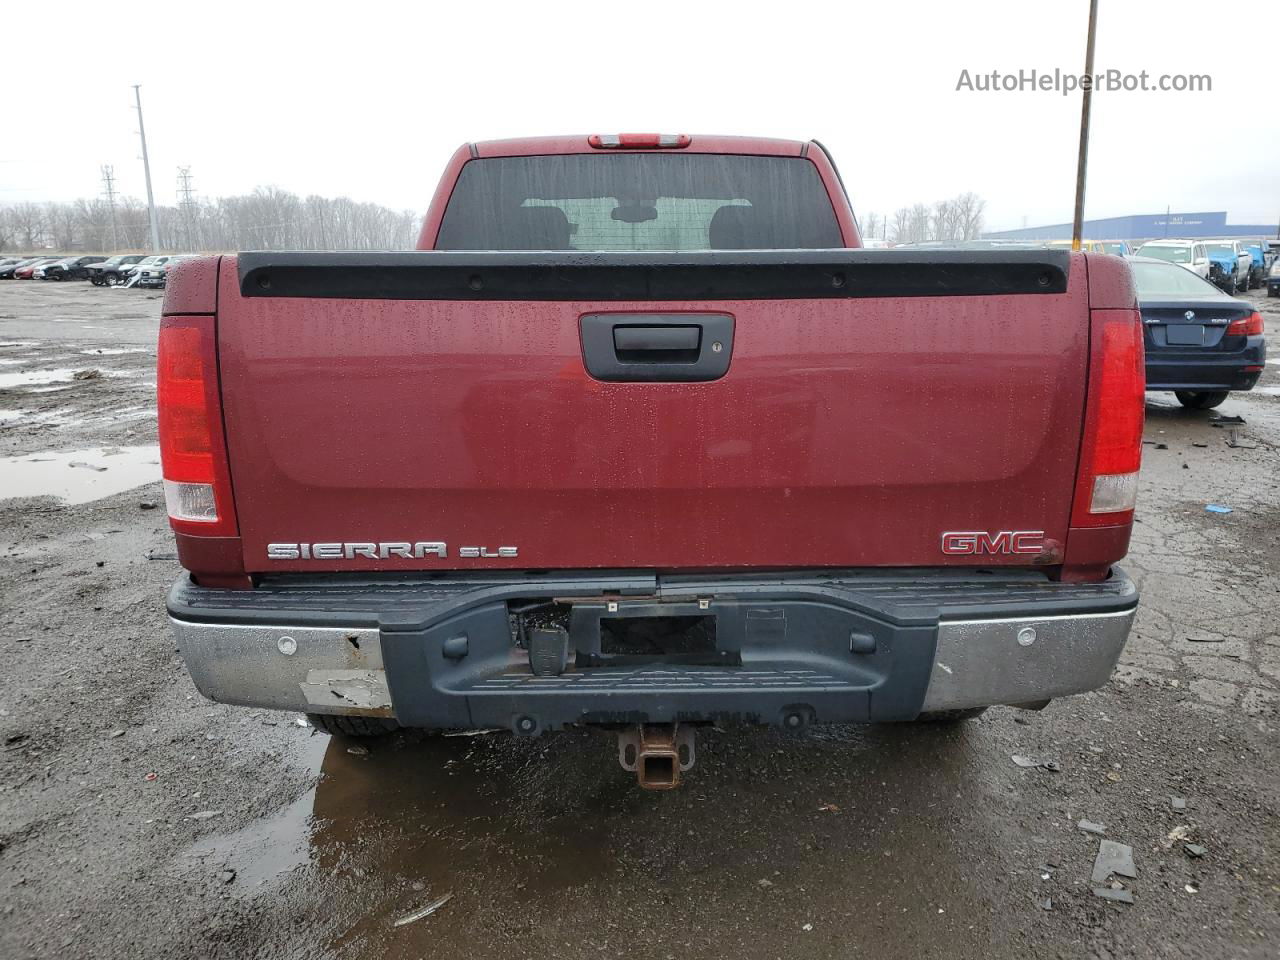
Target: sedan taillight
[[1249, 326]]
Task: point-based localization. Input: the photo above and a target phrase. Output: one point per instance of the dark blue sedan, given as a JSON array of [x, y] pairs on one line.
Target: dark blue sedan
[[1200, 343]]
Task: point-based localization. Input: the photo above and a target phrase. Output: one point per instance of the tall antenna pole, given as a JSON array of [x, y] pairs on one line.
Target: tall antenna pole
[[146, 169], [109, 191], [1082, 161]]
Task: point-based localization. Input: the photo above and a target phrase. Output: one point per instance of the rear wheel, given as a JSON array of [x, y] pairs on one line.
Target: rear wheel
[[1200, 399], [1230, 289], [352, 726]]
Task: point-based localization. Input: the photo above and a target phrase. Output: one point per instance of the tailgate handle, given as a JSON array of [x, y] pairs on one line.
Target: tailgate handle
[[656, 340], [657, 348]]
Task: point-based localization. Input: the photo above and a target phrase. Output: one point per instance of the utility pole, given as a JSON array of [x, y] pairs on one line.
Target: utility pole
[[186, 204], [109, 192], [1082, 160], [146, 169]]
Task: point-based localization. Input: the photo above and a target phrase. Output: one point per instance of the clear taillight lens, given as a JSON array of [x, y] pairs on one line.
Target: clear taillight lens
[[193, 502], [1113, 492]]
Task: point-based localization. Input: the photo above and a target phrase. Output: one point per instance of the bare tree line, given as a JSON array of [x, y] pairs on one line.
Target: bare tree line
[[959, 218], [275, 219], [267, 219]]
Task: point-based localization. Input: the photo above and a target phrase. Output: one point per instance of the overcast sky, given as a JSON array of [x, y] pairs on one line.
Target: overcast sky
[[369, 99]]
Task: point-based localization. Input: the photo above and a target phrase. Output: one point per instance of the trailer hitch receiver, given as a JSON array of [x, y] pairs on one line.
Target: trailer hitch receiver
[[657, 754]]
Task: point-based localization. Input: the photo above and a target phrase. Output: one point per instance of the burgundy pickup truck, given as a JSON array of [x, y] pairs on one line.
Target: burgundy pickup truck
[[640, 439]]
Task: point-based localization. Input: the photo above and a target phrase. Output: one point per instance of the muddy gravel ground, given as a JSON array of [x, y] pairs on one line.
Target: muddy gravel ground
[[138, 819]]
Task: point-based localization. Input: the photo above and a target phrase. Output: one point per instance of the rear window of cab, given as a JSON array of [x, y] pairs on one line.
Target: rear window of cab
[[639, 201]]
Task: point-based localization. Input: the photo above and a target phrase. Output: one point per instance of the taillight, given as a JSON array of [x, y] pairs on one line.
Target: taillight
[[193, 456], [1111, 451], [1249, 326], [639, 141]]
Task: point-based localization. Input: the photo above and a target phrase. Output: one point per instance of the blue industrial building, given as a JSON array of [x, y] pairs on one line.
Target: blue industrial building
[[1145, 227]]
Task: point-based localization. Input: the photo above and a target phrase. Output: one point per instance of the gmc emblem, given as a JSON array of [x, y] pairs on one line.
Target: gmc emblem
[[971, 542]]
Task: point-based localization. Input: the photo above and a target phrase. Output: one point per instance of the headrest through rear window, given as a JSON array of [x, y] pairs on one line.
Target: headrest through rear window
[[738, 228], [537, 228]]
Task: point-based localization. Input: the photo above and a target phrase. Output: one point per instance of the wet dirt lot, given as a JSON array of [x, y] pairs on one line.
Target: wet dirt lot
[[137, 819]]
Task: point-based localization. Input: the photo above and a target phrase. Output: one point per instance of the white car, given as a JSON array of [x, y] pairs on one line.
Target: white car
[[155, 274], [1191, 254]]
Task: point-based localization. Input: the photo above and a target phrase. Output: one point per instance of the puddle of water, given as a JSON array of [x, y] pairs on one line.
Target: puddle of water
[[56, 375], [438, 811], [267, 850], [56, 417], [53, 474], [19, 343], [28, 377]]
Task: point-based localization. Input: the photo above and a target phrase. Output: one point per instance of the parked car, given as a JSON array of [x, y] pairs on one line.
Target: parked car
[[109, 271], [28, 270], [130, 273], [72, 268], [709, 488], [1117, 248], [1273, 278], [1258, 263], [1200, 343], [1229, 265], [154, 274], [1191, 255], [14, 263]]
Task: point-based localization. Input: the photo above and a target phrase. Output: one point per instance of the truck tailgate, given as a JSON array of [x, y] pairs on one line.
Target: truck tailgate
[[851, 427]]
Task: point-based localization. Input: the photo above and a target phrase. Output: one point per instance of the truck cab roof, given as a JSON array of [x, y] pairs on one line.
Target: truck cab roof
[[581, 143]]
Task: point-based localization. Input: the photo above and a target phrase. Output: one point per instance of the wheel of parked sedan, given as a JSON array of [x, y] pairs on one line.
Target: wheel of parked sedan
[[352, 726], [1200, 399]]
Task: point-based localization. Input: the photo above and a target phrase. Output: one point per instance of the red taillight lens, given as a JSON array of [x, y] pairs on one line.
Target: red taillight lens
[[1249, 326], [181, 385], [192, 450], [639, 141], [1111, 451]]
